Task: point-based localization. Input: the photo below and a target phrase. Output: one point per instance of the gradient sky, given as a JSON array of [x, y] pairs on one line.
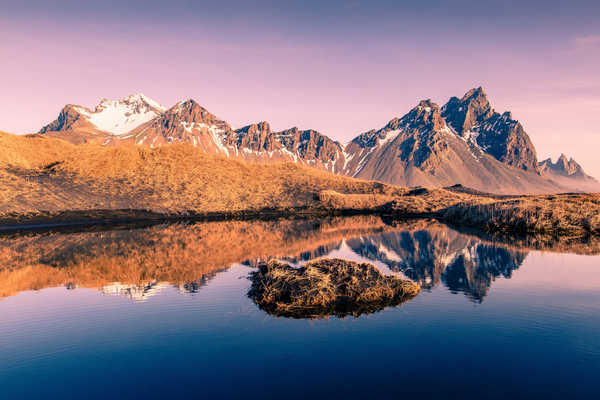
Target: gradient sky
[[340, 67]]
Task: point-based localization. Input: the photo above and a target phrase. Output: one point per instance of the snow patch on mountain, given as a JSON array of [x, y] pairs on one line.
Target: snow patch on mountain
[[121, 116]]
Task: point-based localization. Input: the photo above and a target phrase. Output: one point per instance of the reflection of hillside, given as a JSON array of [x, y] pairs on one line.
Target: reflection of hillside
[[185, 255], [440, 254]]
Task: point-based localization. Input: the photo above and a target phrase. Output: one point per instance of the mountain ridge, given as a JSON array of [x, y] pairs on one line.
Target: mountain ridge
[[463, 142]]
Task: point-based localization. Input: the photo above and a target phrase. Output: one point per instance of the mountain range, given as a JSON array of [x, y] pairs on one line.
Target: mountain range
[[463, 142]]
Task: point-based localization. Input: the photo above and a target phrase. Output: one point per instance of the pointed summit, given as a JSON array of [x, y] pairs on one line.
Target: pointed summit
[[425, 115], [256, 137], [191, 112], [475, 93], [465, 113], [473, 118]]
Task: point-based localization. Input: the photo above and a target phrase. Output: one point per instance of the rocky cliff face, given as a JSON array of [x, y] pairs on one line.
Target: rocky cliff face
[[70, 119], [473, 118]]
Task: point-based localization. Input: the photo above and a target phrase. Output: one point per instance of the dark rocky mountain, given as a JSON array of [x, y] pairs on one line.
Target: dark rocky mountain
[[422, 149], [498, 135], [256, 142], [464, 142]]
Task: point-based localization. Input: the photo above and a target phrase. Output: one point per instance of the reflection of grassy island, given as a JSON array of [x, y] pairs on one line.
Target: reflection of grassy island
[[327, 287], [44, 180]]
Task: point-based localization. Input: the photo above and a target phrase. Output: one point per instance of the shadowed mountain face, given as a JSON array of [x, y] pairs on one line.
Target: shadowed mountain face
[[498, 135], [139, 262], [464, 142]]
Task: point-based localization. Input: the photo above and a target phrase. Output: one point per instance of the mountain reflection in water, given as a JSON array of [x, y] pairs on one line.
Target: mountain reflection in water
[[140, 262]]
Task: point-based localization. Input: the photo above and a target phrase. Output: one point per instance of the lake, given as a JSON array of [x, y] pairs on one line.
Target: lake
[[162, 312]]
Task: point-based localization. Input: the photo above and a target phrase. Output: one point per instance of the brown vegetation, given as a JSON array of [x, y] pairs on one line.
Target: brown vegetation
[[176, 180], [326, 287], [48, 180], [566, 214]]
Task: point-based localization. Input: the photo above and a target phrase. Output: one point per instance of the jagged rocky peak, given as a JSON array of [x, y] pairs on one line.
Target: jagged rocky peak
[[425, 115], [310, 144], [66, 120], [191, 111], [465, 113], [499, 135], [262, 126], [563, 166], [257, 137], [569, 166]]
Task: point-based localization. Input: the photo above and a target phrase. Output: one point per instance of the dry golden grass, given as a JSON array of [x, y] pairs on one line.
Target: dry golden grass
[[44, 179], [327, 287], [31, 151], [567, 214], [171, 179]]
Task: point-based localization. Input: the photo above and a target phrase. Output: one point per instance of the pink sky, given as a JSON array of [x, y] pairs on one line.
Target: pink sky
[[340, 81]]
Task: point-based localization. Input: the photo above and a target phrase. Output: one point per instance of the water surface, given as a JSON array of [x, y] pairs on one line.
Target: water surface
[[162, 312]]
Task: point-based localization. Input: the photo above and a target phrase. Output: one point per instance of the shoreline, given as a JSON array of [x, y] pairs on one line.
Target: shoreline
[[73, 219], [90, 218]]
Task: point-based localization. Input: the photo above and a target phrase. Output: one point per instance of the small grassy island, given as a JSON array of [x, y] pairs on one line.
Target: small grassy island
[[326, 287]]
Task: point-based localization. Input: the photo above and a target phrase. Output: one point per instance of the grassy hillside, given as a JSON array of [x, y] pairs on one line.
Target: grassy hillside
[[44, 179], [31, 151], [170, 179]]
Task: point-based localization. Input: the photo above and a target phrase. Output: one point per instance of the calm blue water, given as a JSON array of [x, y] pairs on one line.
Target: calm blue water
[[491, 322]]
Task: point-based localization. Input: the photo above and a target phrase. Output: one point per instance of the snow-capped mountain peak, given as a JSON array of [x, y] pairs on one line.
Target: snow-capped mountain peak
[[117, 117]]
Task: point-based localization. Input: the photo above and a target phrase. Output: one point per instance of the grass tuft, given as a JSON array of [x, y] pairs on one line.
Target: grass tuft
[[326, 287]]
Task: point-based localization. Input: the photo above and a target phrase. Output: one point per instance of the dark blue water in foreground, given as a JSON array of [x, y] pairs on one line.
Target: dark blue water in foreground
[[530, 330]]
